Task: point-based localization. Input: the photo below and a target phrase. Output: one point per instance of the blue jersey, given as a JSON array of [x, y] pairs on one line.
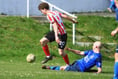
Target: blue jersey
[[91, 59]]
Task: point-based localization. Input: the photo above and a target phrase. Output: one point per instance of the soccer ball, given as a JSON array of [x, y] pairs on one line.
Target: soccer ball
[[30, 58]]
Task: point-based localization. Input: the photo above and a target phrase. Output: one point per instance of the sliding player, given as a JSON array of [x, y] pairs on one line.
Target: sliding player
[[92, 58]]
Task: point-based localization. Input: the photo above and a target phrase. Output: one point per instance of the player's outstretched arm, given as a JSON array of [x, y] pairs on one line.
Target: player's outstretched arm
[[69, 18], [78, 52]]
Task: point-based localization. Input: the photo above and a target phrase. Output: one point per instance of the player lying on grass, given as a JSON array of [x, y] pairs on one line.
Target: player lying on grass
[[92, 57], [113, 33]]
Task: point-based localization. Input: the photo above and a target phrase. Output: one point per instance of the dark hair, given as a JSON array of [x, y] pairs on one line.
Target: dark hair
[[43, 5]]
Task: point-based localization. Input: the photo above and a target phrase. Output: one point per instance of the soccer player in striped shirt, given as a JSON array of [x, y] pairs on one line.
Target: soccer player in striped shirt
[[58, 34], [92, 57], [113, 33]]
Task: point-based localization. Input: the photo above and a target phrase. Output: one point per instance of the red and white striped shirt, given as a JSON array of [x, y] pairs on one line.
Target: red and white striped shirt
[[55, 16]]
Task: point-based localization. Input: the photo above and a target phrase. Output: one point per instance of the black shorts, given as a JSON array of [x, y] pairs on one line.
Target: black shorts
[[63, 38]]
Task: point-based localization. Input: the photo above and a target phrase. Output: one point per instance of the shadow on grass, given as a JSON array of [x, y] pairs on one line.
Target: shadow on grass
[[101, 72]]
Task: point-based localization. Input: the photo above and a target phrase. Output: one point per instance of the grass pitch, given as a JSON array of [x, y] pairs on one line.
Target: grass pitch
[[24, 70], [20, 36]]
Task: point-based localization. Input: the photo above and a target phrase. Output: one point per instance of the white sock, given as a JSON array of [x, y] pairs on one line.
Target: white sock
[[47, 56]]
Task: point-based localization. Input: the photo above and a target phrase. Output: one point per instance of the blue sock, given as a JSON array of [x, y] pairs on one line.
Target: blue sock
[[55, 67], [115, 70]]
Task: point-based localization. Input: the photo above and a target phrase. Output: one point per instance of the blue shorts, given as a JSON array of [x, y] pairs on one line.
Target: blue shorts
[[73, 67]]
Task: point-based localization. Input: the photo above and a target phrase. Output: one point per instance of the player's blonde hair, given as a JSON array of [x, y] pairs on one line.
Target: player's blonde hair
[[97, 44]]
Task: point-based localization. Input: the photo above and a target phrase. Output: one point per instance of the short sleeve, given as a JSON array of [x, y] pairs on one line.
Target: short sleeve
[[99, 63], [59, 13], [86, 52], [50, 18]]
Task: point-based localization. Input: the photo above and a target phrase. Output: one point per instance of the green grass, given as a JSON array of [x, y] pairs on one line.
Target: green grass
[[23, 70], [20, 36]]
